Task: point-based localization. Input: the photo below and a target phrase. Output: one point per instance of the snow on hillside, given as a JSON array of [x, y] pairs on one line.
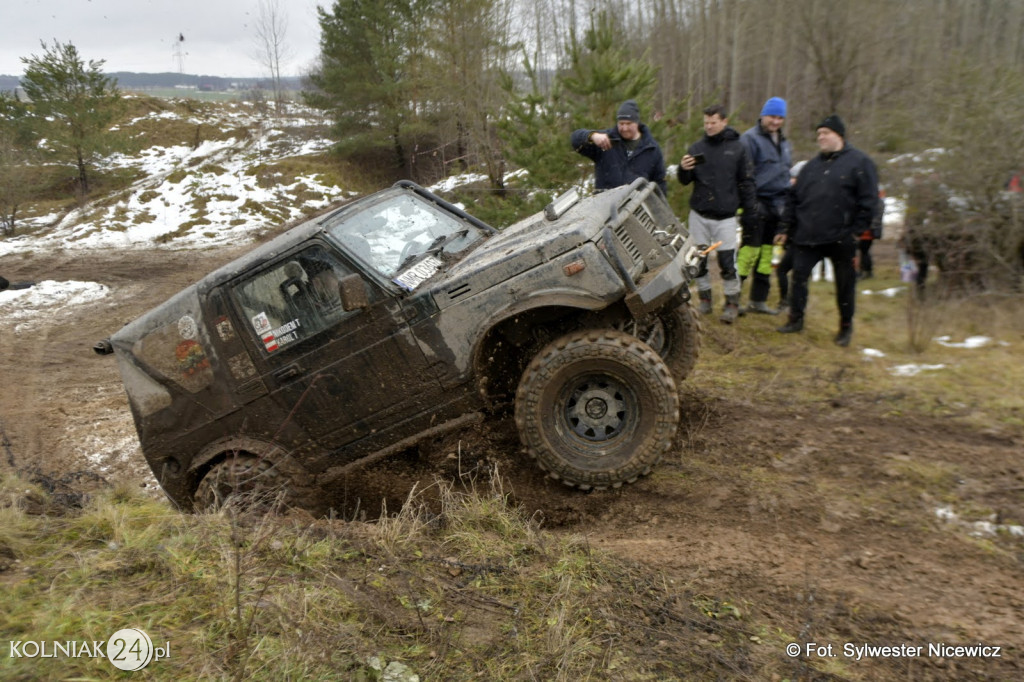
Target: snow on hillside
[[193, 197]]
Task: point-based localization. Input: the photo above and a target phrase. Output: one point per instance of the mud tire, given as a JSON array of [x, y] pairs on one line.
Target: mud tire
[[597, 408], [243, 479]]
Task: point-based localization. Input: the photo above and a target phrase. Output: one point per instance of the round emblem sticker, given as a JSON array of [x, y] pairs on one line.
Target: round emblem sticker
[[187, 327]]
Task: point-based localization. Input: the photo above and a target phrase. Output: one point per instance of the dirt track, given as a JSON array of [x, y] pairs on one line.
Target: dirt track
[[820, 531]]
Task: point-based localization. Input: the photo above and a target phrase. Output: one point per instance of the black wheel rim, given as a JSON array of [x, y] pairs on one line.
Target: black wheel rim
[[598, 408]]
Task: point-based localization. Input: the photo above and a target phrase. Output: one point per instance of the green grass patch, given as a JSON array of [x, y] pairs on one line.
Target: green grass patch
[[465, 586]]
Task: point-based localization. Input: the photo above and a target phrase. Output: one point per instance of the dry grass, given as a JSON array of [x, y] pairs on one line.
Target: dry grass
[[470, 590]]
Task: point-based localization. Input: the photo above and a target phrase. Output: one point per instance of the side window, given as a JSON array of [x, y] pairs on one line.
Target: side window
[[295, 299]]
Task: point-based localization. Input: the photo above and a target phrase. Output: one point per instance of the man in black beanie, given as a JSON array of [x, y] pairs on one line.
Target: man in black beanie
[[623, 153], [833, 201]]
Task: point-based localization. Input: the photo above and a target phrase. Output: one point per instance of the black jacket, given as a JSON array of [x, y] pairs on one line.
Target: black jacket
[[725, 181], [615, 167], [834, 199]]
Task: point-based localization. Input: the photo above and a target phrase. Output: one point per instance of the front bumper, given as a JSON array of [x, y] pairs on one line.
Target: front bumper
[[656, 288]]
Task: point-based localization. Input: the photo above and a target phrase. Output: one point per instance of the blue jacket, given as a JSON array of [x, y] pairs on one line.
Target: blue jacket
[[771, 162], [614, 168]]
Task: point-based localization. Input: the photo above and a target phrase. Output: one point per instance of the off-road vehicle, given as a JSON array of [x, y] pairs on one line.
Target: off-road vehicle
[[398, 317]]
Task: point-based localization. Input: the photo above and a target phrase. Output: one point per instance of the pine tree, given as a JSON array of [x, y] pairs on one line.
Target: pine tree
[[17, 152], [369, 78], [601, 74], [73, 101]]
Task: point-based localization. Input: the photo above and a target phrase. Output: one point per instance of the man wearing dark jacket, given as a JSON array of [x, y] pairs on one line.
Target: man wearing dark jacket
[[623, 153], [723, 179], [833, 201]]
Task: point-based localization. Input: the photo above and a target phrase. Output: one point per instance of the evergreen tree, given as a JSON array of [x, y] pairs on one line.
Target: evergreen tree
[[369, 78], [600, 76], [17, 156], [536, 133], [74, 102]]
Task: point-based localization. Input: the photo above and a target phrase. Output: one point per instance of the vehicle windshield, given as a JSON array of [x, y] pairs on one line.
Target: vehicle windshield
[[391, 235]]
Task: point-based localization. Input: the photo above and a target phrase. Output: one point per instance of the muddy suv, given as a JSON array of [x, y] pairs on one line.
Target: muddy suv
[[398, 317]]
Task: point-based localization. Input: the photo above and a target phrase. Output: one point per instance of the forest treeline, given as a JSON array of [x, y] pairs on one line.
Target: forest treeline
[[428, 86], [423, 89]]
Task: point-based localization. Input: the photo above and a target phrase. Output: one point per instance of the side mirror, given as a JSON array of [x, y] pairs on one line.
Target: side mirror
[[353, 293]]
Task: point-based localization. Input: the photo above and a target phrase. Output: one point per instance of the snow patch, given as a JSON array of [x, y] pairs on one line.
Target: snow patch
[[986, 528], [913, 370]]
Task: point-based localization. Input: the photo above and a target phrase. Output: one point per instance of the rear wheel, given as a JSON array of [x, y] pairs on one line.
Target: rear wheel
[[597, 408], [244, 479]]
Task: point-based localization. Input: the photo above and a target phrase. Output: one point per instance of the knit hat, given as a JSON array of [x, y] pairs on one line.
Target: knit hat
[[629, 111], [774, 106], [833, 123]]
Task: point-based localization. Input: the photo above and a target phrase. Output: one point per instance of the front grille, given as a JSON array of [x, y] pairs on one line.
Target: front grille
[[622, 234], [645, 219]]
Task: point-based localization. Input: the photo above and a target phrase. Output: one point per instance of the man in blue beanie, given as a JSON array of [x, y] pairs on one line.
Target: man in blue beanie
[[835, 199], [623, 153], [772, 156]]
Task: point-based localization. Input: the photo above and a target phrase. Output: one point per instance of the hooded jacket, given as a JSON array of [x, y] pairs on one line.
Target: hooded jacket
[[617, 167], [771, 161], [834, 199], [725, 181]]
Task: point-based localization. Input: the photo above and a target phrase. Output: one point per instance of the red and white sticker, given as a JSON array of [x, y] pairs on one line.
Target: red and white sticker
[[270, 342]]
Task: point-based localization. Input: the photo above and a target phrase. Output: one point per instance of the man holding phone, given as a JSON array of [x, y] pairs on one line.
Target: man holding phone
[[723, 181]]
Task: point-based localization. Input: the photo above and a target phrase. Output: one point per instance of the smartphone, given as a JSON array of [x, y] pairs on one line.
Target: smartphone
[[698, 159]]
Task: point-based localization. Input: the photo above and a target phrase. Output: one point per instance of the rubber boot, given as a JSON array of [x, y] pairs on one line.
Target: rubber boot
[[792, 326], [705, 301], [845, 335], [732, 309]]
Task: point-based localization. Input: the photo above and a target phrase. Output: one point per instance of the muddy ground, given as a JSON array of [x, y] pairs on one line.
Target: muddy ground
[[817, 525]]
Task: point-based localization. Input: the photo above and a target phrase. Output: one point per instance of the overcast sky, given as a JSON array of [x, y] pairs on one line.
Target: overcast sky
[[140, 35]]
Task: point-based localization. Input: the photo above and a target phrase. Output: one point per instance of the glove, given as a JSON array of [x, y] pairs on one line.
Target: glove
[[749, 221]]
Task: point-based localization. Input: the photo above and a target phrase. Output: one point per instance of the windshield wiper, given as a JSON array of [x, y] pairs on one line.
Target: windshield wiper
[[444, 240], [435, 247]]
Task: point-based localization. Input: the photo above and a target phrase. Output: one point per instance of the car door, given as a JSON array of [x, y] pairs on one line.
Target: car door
[[340, 374]]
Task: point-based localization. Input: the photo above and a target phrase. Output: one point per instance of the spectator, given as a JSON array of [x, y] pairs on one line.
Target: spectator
[[865, 269], [926, 204], [623, 153], [723, 179], [772, 155], [834, 200]]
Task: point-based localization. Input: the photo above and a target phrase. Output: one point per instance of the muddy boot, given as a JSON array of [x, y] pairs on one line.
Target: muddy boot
[[760, 307], [705, 301], [732, 309], [792, 326], [844, 336]]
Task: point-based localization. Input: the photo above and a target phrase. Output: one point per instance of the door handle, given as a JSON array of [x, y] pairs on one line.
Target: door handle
[[289, 372]]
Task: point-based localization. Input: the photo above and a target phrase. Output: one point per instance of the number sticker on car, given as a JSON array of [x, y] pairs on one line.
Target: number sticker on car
[[419, 273]]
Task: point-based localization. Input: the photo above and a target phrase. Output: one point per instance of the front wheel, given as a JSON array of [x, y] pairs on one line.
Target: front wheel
[[597, 408]]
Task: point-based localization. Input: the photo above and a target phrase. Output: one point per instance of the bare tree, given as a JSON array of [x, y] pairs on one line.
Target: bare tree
[[271, 49]]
